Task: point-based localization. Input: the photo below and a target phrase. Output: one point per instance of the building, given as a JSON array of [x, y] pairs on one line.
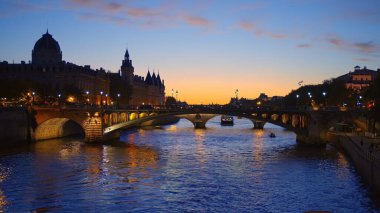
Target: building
[[359, 78], [141, 91], [47, 75]]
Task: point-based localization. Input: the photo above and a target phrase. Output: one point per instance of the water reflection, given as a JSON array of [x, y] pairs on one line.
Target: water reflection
[[200, 152], [178, 169]]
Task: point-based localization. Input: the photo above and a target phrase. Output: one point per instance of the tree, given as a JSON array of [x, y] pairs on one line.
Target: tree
[[125, 90], [372, 94], [170, 101]]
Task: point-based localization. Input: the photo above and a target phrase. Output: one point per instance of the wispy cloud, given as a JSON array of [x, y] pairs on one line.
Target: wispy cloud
[[15, 7], [368, 47], [247, 25], [363, 59], [253, 28], [164, 14], [197, 21], [103, 17], [303, 45]]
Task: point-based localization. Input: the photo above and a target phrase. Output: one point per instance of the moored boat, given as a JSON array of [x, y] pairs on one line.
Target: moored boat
[[226, 120]]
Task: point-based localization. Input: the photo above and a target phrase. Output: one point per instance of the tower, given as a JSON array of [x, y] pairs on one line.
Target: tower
[[127, 68]]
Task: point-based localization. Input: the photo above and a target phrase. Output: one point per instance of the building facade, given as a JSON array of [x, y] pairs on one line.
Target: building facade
[[51, 76], [142, 91], [359, 78], [59, 78]]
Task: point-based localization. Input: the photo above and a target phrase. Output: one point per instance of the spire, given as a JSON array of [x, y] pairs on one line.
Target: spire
[[148, 78], [126, 55], [154, 78], [159, 78], [127, 62]]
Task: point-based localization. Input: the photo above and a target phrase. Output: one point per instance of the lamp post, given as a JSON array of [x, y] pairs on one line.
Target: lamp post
[[118, 100], [310, 96], [106, 99], [59, 100], [172, 92], [33, 93], [297, 96], [101, 98], [324, 97], [87, 99]]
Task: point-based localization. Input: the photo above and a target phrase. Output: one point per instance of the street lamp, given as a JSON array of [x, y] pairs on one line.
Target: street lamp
[[324, 97], [33, 93], [101, 98], [297, 96], [310, 96], [87, 99], [118, 100], [172, 92], [360, 100], [106, 99]]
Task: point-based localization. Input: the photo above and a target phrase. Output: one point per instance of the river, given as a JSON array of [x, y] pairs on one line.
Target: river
[[176, 168]]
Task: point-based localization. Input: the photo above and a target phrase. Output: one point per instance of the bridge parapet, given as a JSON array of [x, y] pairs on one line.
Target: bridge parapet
[[99, 124]]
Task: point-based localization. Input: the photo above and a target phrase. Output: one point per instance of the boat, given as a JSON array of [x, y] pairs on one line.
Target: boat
[[272, 135], [226, 120]]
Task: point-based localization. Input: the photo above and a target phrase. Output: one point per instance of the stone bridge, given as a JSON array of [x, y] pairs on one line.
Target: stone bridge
[[103, 124]]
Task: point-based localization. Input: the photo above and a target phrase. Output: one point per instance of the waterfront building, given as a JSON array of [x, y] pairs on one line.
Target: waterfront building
[[142, 91], [56, 77], [47, 75], [359, 78]]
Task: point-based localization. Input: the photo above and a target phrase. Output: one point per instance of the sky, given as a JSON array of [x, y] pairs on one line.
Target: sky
[[204, 49]]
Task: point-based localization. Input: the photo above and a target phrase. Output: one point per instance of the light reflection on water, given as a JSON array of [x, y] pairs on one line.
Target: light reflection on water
[[176, 168]]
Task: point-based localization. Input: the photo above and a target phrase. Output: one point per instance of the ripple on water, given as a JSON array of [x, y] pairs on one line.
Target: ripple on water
[[178, 169]]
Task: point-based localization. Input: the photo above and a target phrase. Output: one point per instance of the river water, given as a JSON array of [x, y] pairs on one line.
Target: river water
[[176, 168]]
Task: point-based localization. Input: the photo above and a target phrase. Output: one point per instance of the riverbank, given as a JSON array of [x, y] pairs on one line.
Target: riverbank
[[365, 154], [13, 127]]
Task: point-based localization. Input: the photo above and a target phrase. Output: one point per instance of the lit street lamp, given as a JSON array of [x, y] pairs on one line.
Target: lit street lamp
[[297, 96], [106, 99], [87, 99], [172, 92], [101, 98], [59, 99], [33, 93], [324, 97]]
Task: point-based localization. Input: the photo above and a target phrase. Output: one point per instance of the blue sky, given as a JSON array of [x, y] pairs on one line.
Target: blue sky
[[204, 49]]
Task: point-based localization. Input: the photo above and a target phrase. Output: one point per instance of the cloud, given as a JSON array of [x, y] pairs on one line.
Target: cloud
[[16, 7], [106, 18], [363, 59], [247, 25], [346, 45], [366, 47], [142, 12], [253, 28], [165, 14], [197, 21], [114, 7], [303, 45], [335, 41]]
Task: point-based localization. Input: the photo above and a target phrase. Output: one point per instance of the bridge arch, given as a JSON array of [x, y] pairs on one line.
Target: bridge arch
[[133, 116], [57, 128]]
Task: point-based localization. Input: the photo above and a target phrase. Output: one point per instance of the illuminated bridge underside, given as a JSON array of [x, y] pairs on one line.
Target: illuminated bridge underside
[[57, 128], [100, 125]]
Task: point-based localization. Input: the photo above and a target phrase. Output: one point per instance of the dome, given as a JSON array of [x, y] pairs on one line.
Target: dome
[[46, 50]]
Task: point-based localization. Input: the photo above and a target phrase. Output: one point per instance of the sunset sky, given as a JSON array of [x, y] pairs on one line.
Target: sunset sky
[[204, 49]]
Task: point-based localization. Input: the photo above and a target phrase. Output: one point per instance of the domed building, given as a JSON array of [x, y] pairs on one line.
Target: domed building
[[48, 75], [46, 50]]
